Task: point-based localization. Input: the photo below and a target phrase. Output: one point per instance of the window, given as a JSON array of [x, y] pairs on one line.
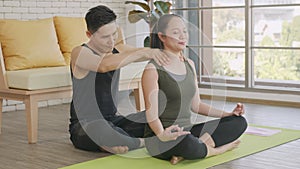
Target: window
[[245, 44]]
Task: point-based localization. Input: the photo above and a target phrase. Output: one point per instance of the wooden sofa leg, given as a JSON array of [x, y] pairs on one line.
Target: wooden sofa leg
[[139, 98], [31, 106], [1, 104]]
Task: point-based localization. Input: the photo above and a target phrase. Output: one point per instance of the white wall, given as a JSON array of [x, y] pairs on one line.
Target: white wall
[[37, 9], [135, 33]]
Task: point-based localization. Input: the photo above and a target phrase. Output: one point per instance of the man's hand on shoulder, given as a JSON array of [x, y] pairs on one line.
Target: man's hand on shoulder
[[157, 55]]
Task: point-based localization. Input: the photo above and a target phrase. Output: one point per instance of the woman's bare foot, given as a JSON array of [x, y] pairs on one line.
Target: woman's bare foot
[[115, 149], [222, 149], [174, 160], [233, 144], [206, 138]]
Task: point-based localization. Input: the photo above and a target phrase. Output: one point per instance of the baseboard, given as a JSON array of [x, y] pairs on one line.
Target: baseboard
[[273, 99]]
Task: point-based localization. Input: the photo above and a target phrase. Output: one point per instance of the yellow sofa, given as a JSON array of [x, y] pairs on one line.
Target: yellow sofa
[[36, 53], [34, 63]]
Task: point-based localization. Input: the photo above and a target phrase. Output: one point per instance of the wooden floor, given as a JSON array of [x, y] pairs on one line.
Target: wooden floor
[[54, 149]]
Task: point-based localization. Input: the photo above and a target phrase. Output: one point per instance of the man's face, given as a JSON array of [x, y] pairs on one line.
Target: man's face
[[105, 37]]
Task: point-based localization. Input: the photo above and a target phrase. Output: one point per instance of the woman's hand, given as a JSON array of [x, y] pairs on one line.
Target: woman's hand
[[238, 110], [172, 133]]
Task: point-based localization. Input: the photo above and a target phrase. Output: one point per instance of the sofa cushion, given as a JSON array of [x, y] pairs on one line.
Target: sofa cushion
[[39, 78], [71, 32], [29, 44]]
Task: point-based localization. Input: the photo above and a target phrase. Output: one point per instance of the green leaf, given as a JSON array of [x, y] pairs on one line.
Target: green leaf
[[136, 15], [163, 7], [156, 13], [141, 4], [153, 20], [147, 42]]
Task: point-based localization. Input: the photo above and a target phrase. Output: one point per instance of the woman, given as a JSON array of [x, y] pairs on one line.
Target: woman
[[171, 95]]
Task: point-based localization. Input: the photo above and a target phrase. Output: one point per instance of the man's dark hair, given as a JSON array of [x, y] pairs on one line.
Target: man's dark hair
[[99, 16]]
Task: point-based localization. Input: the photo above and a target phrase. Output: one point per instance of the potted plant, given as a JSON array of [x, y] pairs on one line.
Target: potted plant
[[150, 14]]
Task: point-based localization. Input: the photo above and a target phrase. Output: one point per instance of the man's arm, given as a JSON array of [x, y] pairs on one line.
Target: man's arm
[[86, 59], [128, 54], [125, 47]]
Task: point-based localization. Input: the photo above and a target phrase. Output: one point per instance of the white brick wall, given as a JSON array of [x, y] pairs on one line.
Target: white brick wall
[[38, 9]]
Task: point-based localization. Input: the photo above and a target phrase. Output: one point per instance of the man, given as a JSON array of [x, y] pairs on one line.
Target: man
[[94, 124]]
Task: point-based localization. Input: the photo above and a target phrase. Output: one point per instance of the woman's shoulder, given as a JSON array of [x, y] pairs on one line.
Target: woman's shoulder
[[150, 72], [190, 62], [151, 65]]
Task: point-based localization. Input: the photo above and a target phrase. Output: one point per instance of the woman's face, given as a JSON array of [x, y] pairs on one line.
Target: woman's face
[[176, 35]]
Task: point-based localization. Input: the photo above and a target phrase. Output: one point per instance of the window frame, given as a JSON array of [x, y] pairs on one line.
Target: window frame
[[249, 83]]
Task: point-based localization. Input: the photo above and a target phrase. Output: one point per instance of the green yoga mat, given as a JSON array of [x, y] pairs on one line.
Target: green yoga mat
[[249, 144]]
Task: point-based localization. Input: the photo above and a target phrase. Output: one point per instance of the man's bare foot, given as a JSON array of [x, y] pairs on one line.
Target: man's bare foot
[[206, 138], [142, 142], [115, 149], [174, 160]]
